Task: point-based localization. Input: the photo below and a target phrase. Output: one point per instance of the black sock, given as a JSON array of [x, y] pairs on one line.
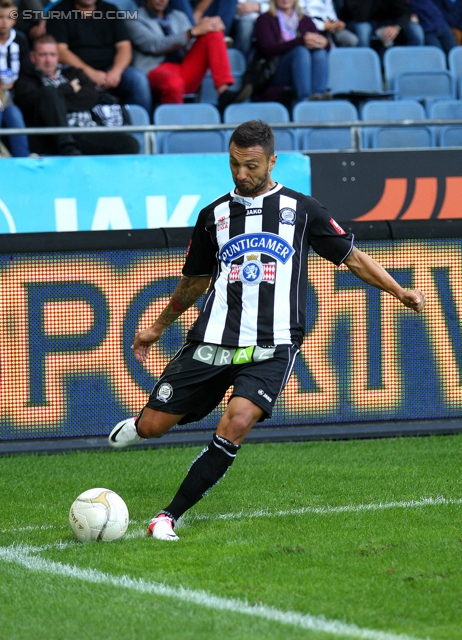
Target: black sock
[[206, 470]]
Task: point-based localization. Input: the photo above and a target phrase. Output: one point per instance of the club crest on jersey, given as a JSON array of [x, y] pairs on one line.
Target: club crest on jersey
[[165, 392], [287, 216], [263, 242], [252, 272]]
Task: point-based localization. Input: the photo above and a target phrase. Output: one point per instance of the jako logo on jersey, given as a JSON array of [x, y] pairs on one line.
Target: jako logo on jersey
[[264, 395], [253, 212], [336, 226], [263, 242]]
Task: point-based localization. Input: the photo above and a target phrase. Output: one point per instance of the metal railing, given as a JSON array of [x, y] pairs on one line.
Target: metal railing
[[150, 142]]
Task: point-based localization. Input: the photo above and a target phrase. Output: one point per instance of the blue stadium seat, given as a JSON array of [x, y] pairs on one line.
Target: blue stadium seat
[[451, 136], [455, 66], [271, 112], [189, 141], [238, 67], [336, 110], [444, 110], [355, 72], [138, 115], [418, 74], [402, 137], [390, 110]]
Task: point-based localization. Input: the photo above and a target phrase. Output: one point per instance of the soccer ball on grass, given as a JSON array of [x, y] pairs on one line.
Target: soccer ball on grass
[[98, 514]]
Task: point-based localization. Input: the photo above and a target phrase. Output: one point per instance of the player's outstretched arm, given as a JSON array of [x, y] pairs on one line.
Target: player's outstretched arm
[[188, 290], [371, 272]]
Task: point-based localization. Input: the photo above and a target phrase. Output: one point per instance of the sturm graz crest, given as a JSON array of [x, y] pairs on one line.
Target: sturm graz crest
[[287, 216], [251, 272]]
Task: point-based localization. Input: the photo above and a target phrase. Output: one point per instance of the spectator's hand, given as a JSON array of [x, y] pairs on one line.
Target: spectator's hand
[[38, 30], [247, 7], [390, 33], [315, 41], [209, 24], [75, 84], [334, 25], [113, 78], [7, 87], [96, 76]]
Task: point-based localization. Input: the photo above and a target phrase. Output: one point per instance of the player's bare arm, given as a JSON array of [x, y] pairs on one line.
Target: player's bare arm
[[366, 268], [187, 292]]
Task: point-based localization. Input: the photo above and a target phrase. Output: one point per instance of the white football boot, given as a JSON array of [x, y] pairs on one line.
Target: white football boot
[[124, 434], [161, 527]]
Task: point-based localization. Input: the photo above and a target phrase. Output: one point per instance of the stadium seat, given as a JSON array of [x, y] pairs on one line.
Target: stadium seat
[[189, 141], [451, 136], [271, 112], [355, 73], [336, 110], [402, 137], [138, 115], [391, 111], [444, 110], [238, 67], [455, 66], [420, 74]]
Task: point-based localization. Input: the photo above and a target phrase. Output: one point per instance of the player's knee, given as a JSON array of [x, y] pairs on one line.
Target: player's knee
[[149, 425]]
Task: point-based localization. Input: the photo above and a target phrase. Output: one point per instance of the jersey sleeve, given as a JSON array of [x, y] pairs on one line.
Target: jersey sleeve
[[201, 256], [326, 236]]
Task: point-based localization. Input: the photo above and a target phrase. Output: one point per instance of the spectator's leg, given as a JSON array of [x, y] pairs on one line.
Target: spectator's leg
[[134, 89], [167, 83], [295, 70], [446, 38], [319, 70], [243, 32], [225, 9], [208, 51], [107, 144], [414, 35], [364, 31], [345, 38], [12, 119], [457, 33], [51, 111]]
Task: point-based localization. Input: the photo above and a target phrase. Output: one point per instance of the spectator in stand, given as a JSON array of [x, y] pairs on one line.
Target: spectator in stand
[[324, 16], [100, 47], [285, 34], [437, 31], [51, 95], [13, 54], [244, 23], [452, 12], [175, 54], [198, 9], [389, 20]]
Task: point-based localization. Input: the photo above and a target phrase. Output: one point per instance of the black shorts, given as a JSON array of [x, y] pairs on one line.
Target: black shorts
[[197, 378]]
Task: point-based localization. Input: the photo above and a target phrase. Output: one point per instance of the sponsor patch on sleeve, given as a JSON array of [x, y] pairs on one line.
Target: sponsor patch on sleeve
[[337, 227]]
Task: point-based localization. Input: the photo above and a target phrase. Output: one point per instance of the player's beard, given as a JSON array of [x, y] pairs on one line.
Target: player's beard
[[252, 189]]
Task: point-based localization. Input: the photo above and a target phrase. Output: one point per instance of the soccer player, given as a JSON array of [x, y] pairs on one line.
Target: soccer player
[[251, 247]]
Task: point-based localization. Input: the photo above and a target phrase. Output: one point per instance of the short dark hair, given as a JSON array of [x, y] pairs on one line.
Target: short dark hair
[[46, 38], [254, 133]]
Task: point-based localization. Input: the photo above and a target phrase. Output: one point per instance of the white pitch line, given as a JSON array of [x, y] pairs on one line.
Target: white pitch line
[[264, 513], [350, 508], [22, 555]]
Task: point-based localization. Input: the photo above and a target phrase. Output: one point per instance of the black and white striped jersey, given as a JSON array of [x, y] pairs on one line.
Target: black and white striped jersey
[[256, 251]]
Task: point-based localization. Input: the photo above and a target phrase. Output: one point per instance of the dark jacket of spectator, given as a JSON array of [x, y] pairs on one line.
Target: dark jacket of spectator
[[452, 12], [377, 11]]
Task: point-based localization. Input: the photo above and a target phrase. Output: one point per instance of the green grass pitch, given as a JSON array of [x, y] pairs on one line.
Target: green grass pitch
[[318, 540]]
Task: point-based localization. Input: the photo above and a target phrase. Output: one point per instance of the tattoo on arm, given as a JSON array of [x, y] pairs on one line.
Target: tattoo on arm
[[189, 289]]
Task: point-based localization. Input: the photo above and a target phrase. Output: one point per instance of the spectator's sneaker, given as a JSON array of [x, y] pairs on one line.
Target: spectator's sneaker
[[124, 434], [161, 527]]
